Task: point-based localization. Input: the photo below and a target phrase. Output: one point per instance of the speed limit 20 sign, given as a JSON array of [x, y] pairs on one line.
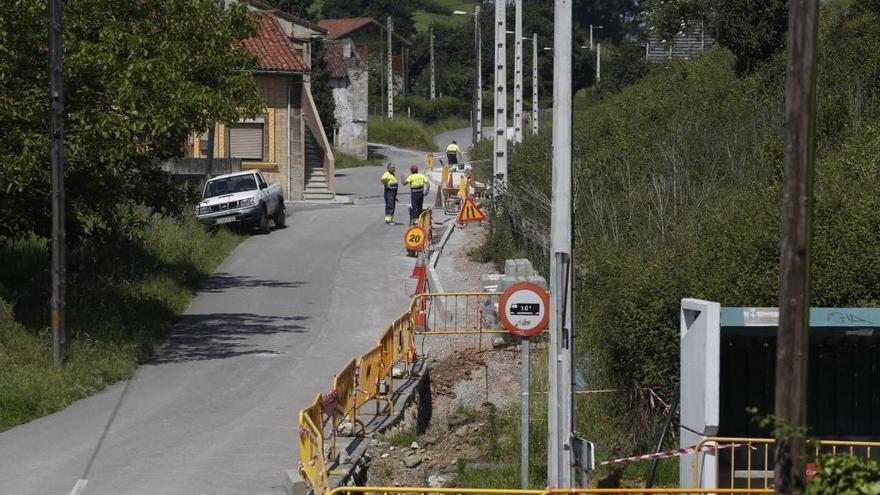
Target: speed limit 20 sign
[[524, 309], [414, 238]]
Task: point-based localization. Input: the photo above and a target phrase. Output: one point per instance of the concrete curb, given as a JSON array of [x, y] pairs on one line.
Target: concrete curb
[[433, 277]]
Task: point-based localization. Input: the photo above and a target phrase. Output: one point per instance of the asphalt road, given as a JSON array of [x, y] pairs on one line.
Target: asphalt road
[[215, 411]]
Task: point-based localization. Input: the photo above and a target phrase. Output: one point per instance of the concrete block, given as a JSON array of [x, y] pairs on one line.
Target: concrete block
[[511, 268], [524, 267], [537, 280], [293, 483], [489, 282]]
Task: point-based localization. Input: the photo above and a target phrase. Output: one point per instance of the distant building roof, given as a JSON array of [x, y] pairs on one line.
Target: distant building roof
[[341, 28], [335, 56], [337, 28], [284, 15], [273, 48]]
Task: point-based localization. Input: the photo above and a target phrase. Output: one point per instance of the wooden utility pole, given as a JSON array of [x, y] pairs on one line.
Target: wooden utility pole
[[56, 154], [794, 287]]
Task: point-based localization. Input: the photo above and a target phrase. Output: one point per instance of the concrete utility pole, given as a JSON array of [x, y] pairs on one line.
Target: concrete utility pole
[[56, 152], [499, 159], [794, 288], [518, 74], [433, 84], [390, 68], [559, 413], [598, 62], [478, 83], [534, 83]]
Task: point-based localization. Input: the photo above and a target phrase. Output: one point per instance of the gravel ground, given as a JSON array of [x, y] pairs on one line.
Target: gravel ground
[[466, 373]]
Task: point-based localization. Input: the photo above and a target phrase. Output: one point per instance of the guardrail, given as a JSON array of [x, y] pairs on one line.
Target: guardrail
[[754, 463]]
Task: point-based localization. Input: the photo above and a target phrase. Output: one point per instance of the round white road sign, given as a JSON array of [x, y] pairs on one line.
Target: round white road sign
[[524, 309]]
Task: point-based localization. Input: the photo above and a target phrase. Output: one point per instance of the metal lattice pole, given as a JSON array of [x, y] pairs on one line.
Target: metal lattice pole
[[517, 74], [534, 83], [433, 83], [499, 159], [390, 69], [478, 80]]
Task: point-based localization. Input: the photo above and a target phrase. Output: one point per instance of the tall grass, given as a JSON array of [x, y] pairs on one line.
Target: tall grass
[[121, 304], [401, 131]]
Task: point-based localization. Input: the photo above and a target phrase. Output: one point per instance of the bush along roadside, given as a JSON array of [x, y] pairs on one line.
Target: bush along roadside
[[121, 305], [677, 194], [401, 131]]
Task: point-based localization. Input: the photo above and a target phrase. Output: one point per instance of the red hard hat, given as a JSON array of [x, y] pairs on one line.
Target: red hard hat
[[414, 168]]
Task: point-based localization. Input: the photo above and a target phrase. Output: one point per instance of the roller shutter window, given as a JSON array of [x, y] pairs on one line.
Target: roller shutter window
[[246, 141]]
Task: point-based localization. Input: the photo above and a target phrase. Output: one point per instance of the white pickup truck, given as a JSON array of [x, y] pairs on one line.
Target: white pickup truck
[[243, 198]]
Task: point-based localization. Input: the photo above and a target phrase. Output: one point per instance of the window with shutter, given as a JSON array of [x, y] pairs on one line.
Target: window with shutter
[[246, 141]]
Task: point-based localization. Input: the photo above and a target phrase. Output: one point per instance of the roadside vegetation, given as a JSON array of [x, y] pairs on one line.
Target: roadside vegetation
[[678, 194], [344, 160], [135, 253], [121, 304]]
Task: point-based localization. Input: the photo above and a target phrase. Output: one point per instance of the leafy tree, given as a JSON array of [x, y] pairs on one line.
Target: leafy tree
[[139, 77], [752, 29], [295, 7], [321, 90], [625, 66]]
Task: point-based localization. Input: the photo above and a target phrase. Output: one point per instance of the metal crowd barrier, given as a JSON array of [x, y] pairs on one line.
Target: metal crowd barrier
[[397, 490], [453, 313], [755, 459]]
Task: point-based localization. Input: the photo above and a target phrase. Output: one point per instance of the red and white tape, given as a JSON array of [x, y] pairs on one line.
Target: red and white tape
[[670, 453]]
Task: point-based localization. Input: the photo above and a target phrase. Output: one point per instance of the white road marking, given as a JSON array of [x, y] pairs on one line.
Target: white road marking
[[79, 487]]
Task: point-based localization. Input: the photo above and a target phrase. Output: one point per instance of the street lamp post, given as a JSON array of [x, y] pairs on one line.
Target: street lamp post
[[592, 27]]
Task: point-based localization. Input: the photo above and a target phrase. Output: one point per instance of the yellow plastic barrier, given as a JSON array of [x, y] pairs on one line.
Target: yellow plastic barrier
[[311, 447], [399, 490], [752, 458], [425, 222], [372, 372]]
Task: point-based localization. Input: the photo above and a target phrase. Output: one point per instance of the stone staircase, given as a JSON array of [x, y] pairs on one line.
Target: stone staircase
[[315, 178]]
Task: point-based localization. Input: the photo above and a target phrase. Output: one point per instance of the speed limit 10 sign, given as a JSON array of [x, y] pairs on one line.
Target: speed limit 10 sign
[[414, 238], [524, 309]]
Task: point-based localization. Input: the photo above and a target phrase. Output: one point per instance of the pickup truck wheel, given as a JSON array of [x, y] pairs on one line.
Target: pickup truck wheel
[[263, 227], [279, 217]]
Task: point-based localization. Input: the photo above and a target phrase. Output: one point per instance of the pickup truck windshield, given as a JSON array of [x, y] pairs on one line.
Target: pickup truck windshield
[[230, 185]]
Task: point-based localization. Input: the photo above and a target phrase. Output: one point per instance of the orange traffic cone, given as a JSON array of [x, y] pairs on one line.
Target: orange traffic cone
[[438, 200]]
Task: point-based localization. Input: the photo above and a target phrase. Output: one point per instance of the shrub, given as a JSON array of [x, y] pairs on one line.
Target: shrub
[[428, 110], [845, 475]]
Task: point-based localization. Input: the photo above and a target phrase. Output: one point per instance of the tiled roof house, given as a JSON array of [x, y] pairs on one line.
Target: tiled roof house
[[287, 141]]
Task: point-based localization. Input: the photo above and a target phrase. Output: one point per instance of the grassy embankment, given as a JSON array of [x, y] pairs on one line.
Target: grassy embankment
[[121, 304], [410, 133], [678, 194]]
